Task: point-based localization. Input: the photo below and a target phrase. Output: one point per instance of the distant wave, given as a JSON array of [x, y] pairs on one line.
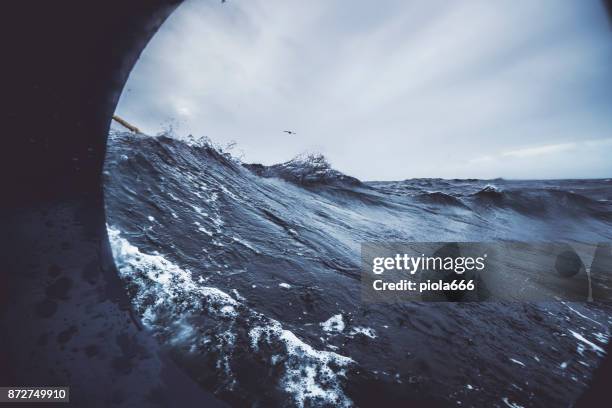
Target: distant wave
[[544, 202], [307, 170], [441, 199]]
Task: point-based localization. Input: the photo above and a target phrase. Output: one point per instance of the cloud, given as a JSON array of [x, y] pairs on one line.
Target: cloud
[[540, 150], [578, 159], [408, 89]]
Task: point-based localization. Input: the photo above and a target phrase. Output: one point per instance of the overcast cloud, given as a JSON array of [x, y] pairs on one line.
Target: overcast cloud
[[388, 90]]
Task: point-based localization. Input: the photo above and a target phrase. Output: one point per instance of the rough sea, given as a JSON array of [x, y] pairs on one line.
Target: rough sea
[[249, 276]]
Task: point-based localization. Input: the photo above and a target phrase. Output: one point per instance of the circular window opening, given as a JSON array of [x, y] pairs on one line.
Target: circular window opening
[[330, 125]]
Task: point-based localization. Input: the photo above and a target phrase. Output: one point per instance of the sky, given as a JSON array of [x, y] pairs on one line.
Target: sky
[[388, 90]]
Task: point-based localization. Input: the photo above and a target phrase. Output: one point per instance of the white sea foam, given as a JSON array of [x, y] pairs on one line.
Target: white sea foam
[[492, 187], [334, 324], [166, 291], [227, 192], [366, 331], [237, 295], [592, 345], [602, 337], [510, 403], [199, 210], [204, 230], [580, 314], [308, 376], [515, 361], [155, 275], [246, 244]]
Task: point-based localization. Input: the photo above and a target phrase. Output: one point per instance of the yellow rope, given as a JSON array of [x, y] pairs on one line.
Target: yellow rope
[[125, 124]]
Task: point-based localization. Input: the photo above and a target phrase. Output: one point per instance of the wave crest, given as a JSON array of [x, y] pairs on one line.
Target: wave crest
[[305, 169]]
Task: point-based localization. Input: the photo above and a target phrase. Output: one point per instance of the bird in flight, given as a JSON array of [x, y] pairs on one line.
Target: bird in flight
[[289, 132]]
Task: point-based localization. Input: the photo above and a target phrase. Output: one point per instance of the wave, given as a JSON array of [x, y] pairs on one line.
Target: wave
[[306, 170], [239, 269], [441, 199], [544, 202], [162, 291]]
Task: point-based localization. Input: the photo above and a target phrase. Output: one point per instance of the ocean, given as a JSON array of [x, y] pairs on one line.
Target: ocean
[[249, 276]]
